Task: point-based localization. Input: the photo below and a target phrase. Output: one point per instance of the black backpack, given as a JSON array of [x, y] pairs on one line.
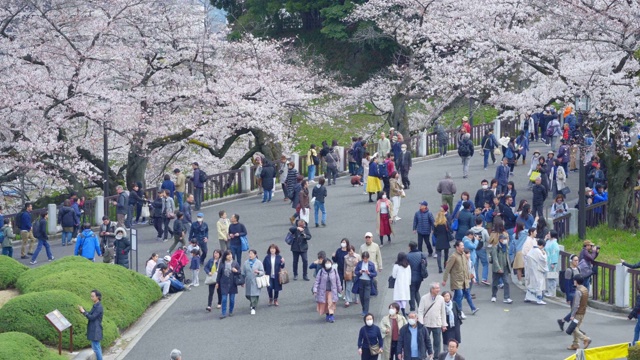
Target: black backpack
[[203, 176], [424, 272], [463, 148], [19, 219]]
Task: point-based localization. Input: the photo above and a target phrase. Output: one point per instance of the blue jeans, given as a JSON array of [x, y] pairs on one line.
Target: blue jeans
[[237, 253], [266, 195], [482, 258], [8, 251], [42, 243], [636, 332], [320, 206], [458, 294], [66, 238], [352, 168], [95, 345], [180, 197], [312, 172], [486, 157], [232, 303], [512, 245], [129, 219]]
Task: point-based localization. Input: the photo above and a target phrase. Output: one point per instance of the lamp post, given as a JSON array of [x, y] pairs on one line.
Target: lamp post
[[583, 106], [105, 157]]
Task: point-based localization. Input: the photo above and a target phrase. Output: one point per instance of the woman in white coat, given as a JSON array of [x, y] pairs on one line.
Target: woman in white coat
[[402, 273]]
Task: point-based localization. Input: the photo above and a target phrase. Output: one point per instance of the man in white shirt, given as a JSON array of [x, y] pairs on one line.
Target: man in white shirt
[[432, 314]]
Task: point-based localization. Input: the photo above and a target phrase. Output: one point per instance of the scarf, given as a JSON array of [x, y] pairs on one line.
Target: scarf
[[449, 308], [251, 262], [503, 247]]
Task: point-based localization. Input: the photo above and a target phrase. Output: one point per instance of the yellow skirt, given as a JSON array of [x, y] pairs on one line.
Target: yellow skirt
[[518, 261], [374, 184]]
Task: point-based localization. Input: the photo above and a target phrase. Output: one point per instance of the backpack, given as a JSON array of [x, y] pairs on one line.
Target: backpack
[[289, 238], [478, 237], [424, 272], [585, 268], [19, 219], [563, 280], [36, 230], [550, 131], [203, 176], [463, 149], [509, 153]]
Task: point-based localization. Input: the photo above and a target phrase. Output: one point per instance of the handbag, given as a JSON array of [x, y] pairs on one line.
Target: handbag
[[170, 215], [565, 191], [572, 327], [373, 349], [534, 175], [262, 281], [304, 214], [238, 279], [283, 277], [289, 238], [392, 281], [497, 152], [403, 194], [348, 276], [145, 213], [244, 242], [211, 279], [454, 225]]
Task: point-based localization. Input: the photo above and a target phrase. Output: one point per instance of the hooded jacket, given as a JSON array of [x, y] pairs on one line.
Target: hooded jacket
[[89, 242]]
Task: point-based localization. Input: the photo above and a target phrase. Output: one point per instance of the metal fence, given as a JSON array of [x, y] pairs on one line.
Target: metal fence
[[596, 214], [603, 280], [561, 225]]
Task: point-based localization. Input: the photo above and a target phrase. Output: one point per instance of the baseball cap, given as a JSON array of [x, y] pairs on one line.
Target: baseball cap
[[201, 215], [424, 203], [167, 258], [368, 234]]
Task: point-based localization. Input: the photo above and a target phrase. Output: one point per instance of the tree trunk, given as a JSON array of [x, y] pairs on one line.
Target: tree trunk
[[398, 118], [136, 167], [622, 175]]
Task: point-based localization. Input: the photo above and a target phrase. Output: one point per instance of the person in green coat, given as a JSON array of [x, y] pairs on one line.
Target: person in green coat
[[500, 268]]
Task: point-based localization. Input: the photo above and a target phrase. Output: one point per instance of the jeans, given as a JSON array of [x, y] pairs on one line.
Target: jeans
[[352, 168], [180, 196], [312, 172], [512, 244], [7, 251], [95, 345], [437, 338], [127, 221], [232, 303], [364, 291], [237, 253], [458, 294], [465, 165], [636, 332], [204, 250], [42, 243], [427, 239], [332, 173], [482, 258], [266, 195], [198, 195], [439, 259], [66, 237], [486, 157], [348, 294], [414, 291], [273, 293], [319, 206], [495, 281], [442, 148], [305, 262]]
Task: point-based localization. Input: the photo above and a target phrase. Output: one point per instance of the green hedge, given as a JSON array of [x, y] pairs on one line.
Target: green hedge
[[21, 346], [10, 270], [26, 313], [125, 294]]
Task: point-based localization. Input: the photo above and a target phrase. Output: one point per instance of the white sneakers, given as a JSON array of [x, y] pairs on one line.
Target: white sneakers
[[507, 301], [493, 299], [462, 315], [253, 311], [540, 302]]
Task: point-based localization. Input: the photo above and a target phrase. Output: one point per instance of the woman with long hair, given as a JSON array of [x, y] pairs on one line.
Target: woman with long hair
[[228, 271], [211, 268], [384, 209], [402, 273], [443, 235]]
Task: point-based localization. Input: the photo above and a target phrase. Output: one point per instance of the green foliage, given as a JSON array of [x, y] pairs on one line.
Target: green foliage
[[10, 270], [452, 117], [340, 129], [634, 353], [26, 313], [615, 244], [125, 294], [21, 346]]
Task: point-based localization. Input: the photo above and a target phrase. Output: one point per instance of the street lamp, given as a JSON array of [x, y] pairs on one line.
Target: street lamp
[[583, 106], [105, 158]]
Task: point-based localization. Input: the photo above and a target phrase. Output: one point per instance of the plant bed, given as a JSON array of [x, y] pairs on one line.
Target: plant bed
[[21, 346], [10, 271]]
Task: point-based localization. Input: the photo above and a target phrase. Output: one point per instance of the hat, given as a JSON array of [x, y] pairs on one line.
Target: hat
[[368, 234], [424, 203], [550, 152], [200, 215], [536, 152], [445, 207], [587, 243], [176, 170], [464, 118], [167, 258]]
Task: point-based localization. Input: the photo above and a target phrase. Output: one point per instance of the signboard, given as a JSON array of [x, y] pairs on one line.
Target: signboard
[[134, 239], [58, 320]]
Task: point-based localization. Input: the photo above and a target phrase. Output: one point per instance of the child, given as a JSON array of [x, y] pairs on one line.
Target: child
[[7, 232], [195, 266], [317, 265], [193, 245], [223, 230], [178, 232]]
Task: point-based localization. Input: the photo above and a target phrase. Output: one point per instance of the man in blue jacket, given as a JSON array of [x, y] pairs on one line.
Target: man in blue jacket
[[423, 223], [94, 327], [87, 243], [40, 231], [26, 231], [200, 232]]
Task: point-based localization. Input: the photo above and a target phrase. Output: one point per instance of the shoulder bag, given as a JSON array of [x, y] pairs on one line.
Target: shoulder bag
[[283, 277], [211, 279], [262, 281], [392, 282], [373, 349], [238, 279], [245, 243]]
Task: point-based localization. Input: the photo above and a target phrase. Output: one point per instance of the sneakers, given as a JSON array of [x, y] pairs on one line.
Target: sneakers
[[485, 282], [317, 225], [208, 309], [561, 324], [493, 299], [475, 311], [540, 302], [306, 278], [331, 319], [397, 218], [196, 285], [507, 301], [324, 224], [295, 277], [253, 311], [23, 257], [462, 315], [435, 255], [52, 258], [33, 262], [222, 316]]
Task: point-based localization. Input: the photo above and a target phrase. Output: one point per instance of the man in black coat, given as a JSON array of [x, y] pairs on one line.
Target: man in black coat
[[425, 350], [94, 327], [299, 248], [404, 165], [268, 175], [539, 196], [483, 195]]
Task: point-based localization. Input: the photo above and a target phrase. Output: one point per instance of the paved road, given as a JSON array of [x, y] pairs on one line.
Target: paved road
[[294, 330]]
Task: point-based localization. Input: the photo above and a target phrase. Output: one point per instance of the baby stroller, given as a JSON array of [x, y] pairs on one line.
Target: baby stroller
[[177, 263]]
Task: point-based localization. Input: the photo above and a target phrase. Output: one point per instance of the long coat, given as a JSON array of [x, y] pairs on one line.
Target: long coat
[[250, 284], [442, 234], [268, 175], [372, 274], [403, 282], [320, 286], [390, 208], [121, 248], [385, 325], [269, 270], [94, 327], [226, 281]]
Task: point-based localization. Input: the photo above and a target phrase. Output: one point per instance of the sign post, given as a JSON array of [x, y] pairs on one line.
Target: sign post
[[134, 246], [60, 323]]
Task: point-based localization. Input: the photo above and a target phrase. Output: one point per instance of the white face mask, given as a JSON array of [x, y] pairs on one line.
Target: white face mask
[[327, 266], [200, 219], [384, 196], [503, 242], [392, 311], [369, 322], [485, 187], [412, 322], [119, 236], [343, 245]]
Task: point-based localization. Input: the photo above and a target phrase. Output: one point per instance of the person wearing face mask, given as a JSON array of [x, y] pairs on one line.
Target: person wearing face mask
[[500, 268], [402, 273], [390, 326], [326, 289], [338, 258], [413, 341], [200, 232], [251, 270], [384, 209], [121, 247], [483, 194], [368, 337], [453, 319], [351, 260], [365, 273]]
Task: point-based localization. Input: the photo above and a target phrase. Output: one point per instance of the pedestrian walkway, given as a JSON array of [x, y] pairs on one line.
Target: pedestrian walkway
[[294, 330]]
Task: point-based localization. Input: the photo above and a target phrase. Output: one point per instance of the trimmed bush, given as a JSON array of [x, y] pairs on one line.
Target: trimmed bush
[[634, 353], [26, 313], [21, 346], [10, 270], [125, 294]]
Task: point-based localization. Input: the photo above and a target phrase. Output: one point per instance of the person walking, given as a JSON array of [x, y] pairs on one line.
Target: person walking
[[121, 248], [180, 184], [122, 207], [8, 237], [290, 181], [273, 263], [442, 233], [179, 232], [569, 287], [465, 151], [299, 248], [236, 231], [168, 213], [365, 273], [351, 260], [404, 166], [338, 258], [447, 188], [390, 326], [251, 270], [578, 312], [453, 322], [413, 340], [539, 196], [536, 271], [458, 269], [384, 209], [397, 192], [312, 162], [401, 272], [489, 143], [432, 314], [200, 232], [40, 232], [87, 243], [326, 289], [384, 147], [423, 223], [94, 325], [157, 215], [452, 353], [443, 140], [226, 282], [500, 268], [465, 220], [368, 337], [319, 193], [68, 219], [482, 236], [415, 258], [211, 269], [373, 249], [25, 224], [268, 176], [222, 227]]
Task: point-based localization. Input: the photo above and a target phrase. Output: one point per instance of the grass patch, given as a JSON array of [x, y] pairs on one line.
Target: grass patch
[[21, 346], [339, 129], [614, 244], [10, 270]]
